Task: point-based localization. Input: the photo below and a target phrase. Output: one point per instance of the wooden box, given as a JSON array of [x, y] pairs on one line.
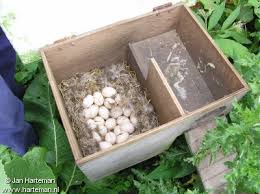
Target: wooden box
[[110, 45]]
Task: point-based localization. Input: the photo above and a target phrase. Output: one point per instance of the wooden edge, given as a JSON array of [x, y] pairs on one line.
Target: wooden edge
[[205, 109], [81, 36], [233, 69], [165, 83], [59, 101]]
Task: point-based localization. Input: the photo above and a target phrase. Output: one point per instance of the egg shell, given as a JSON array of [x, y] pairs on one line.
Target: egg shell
[[110, 137], [91, 112], [108, 92], [122, 119], [88, 101], [133, 119], [98, 98], [127, 111], [109, 102], [99, 120], [110, 123], [96, 136], [91, 124], [117, 130], [127, 127], [116, 112], [104, 145], [102, 130], [122, 137], [103, 112]]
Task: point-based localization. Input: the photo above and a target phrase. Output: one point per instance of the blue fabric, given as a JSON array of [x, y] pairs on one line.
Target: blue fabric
[[14, 131]]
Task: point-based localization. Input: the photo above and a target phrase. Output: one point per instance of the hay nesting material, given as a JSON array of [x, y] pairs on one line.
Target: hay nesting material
[[126, 84]]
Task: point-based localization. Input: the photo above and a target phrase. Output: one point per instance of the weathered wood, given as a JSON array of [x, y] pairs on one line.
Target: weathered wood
[[110, 45], [211, 172], [165, 102], [62, 110], [107, 45], [222, 79], [177, 66]]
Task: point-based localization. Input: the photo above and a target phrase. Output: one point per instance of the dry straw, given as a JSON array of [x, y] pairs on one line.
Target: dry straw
[[124, 81]]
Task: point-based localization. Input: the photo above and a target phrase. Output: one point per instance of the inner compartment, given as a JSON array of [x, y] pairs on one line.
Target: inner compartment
[[184, 77]]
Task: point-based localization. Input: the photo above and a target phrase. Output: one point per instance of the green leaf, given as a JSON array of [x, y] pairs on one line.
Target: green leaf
[[37, 154], [6, 155], [232, 48], [209, 5], [42, 113], [71, 175], [239, 36], [257, 24], [231, 18], [216, 15], [177, 171], [26, 169], [200, 20], [3, 177], [97, 188], [246, 14], [254, 3]]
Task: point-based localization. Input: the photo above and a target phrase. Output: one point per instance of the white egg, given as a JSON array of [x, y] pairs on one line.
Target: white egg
[[110, 137], [116, 112], [118, 99], [103, 112], [91, 124], [127, 127], [88, 101], [117, 130], [98, 98], [104, 145], [91, 112], [96, 136], [109, 102], [87, 113], [127, 111], [122, 119], [122, 137], [110, 123], [102, 130], [108, 92], [133, 119], [99, 120]]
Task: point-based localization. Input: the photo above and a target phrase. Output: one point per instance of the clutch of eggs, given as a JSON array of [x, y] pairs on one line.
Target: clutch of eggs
[[110, 123]]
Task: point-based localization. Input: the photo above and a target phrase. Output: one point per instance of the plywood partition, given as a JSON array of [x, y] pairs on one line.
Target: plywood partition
[[221, 78], [164, 100]]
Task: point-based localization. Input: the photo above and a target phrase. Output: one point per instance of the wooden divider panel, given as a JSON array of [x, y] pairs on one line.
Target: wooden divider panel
[[164, 100]]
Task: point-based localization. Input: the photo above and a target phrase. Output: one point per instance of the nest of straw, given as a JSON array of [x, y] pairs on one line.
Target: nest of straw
[[124, 81]]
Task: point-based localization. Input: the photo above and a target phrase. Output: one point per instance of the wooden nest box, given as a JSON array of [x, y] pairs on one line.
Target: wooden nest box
[[188, 77]]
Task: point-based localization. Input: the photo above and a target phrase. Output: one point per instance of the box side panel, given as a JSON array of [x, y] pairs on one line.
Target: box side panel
[[129, 155], [108, 45], [64, 116], [218, 73]]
